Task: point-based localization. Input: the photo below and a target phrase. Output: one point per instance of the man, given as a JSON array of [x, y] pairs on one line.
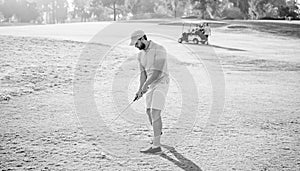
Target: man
[[207, 32], [154, 82]]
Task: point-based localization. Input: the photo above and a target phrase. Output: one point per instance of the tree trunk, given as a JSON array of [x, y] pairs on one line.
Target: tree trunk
[[114, 11], [53, 12]]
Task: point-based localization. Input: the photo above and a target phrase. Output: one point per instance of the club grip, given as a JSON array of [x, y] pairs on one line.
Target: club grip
[[136, 97]]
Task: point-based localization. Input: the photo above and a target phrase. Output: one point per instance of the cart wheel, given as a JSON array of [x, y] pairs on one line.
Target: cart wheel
[[196, 41], [180, 40]]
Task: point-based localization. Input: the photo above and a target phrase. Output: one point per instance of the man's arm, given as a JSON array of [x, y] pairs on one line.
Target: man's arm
[[154, 77], [143, 76]]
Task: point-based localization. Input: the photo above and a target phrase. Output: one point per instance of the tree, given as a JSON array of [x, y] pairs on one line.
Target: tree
[[26, 11], [82, 9], [8, 8], [45, 8], [132, 6], [115, 5], [252, 9], [209, 8], [61, 10], [293, 8], [201, 6], [145, 8], [266, 8], [176, 6], [290, 9], [97, 9], [232, 13], [23, 10], [213, 8], [243, 5], [270, 11], [283, 11]]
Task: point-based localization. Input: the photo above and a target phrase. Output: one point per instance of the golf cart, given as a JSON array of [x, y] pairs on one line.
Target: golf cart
[[195, 34]]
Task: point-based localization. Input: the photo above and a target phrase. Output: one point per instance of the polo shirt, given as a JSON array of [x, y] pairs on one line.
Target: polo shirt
[[154, 53]]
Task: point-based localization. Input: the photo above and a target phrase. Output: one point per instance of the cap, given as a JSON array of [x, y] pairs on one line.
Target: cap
[[135, 36]]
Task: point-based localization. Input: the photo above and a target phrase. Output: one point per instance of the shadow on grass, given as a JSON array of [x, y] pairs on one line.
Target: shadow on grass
[[226, 48], [181, 161], [290, 29], [216, 46]]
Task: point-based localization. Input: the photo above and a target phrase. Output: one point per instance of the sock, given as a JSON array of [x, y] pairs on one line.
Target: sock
[[156, 141]]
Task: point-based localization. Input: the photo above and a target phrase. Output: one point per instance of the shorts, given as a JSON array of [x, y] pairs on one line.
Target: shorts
[[157, 95]]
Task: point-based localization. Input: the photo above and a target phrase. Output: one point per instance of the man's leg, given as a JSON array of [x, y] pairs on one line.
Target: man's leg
[[148, 111], [207, 39], [157, 126], [156, 103]]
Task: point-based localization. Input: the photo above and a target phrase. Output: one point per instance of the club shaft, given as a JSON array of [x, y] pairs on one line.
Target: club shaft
[[121, 113]]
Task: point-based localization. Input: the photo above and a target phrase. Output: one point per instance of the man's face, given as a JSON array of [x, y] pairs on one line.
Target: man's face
[[140, 45]]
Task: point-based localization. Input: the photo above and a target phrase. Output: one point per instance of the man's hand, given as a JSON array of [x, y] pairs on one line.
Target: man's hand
[[144, 89], [141, 92], [138, 95]]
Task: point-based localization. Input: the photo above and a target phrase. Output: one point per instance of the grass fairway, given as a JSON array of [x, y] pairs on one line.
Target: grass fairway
[[41, 128]]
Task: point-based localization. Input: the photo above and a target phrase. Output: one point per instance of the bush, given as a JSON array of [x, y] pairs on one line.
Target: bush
[[1, 17], [270, 18], [232, 13], [190, 17], [149, 16]]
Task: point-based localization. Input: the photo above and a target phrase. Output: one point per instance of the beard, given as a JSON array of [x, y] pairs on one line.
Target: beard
[[142, 47]]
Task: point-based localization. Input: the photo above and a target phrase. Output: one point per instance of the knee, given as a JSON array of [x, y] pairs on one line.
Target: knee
[[155, 114], [148, 111]]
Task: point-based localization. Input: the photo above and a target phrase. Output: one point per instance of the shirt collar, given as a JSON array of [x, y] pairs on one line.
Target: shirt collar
[[150, 46]]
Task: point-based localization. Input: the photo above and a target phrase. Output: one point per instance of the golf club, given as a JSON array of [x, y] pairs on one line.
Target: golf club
[[123, 111]]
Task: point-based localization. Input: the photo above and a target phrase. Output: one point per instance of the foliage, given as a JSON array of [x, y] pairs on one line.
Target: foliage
[[116, 5], [61, 10], [1, 17], [24, 11], [8, 8], [200, 6], [81, 8], [243, 5], [209, 9], [176, 7], [273, 8], [149, 16], [233, 13], [214, 8], [54, 11], [145, 8], [293, 9], [270, 10]]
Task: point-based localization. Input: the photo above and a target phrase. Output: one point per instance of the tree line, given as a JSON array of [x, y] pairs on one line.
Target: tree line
[[53, 11], [58, 11]]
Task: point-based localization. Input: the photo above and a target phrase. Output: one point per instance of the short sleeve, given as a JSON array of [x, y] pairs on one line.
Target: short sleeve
[[140, 63], [139, 57], [160, 58]]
